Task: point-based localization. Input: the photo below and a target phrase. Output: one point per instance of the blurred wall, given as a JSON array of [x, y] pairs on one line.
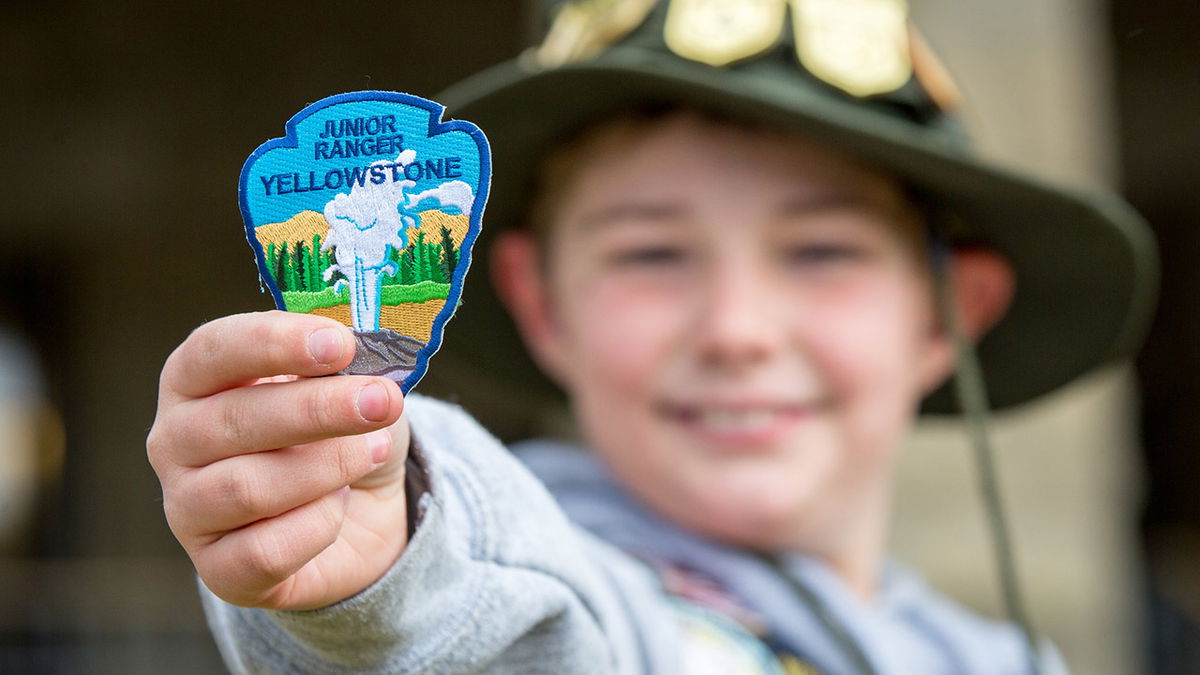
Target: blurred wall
[[125, 125], [1158, 85], [1037, 80]]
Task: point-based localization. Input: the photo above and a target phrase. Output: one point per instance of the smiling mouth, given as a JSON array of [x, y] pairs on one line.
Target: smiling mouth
[[738, 425]]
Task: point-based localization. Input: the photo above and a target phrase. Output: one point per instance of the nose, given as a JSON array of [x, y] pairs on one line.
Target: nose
[[739, 326]]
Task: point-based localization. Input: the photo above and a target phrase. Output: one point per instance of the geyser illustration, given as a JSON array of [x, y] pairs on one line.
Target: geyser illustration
[[369, 222]]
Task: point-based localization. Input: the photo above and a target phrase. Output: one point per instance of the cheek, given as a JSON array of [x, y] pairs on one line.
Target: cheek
[[868, 342], [623, 344], [619, 336]]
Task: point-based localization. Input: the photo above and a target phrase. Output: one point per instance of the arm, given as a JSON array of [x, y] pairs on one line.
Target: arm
[[296, 524], [494, 579]]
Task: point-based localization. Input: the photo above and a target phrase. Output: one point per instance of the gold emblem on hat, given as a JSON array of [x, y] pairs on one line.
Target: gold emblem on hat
[[583, 28], [720, 32], [858, 46]]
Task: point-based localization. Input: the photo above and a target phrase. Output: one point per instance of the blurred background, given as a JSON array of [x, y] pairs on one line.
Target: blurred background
[[123, 126]]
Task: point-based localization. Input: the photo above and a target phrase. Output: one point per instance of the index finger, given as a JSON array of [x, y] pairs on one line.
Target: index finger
[[234, 350]]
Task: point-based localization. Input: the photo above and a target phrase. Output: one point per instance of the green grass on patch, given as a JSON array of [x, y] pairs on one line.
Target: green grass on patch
[[301, 301], [419, 292]]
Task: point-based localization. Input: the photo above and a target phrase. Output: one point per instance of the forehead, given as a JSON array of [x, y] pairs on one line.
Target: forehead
[[686, 154], [688, 160]]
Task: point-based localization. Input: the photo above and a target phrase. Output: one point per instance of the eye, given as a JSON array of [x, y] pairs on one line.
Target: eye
[[648, 256], [823, 253]]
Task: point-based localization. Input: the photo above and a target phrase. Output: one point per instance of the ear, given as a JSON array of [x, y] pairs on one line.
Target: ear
[[982, 285], [517, 275]]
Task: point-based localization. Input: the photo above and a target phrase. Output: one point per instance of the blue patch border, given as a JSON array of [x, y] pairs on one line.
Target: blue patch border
[[436, 127]]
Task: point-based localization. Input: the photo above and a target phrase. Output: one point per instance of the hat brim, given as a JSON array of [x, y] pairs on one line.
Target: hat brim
[[1085, 265]]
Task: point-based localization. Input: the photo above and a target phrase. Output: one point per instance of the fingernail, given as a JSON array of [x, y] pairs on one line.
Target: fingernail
[[325, 345], [379, 443], [373, 403]]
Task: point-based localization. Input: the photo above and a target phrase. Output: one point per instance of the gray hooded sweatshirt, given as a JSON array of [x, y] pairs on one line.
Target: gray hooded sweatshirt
[[546, 566]]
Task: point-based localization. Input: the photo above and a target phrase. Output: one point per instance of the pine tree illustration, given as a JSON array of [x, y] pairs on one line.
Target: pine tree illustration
[[449, 255], [281, 266]]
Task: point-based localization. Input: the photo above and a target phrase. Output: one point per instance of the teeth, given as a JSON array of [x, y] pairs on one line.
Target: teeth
[[728, 421]]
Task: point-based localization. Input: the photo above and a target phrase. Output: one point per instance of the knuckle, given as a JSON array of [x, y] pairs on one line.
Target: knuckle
[[185, 500], [281, 337], [236, 423], [328, 517], [162, 447], [202, 346], [171, 509], [156, 449], [268, 557], [199, 348], [170, 368], [345, 461], [326, 406], [272, 337], [177, 516], [278, 551], [243, 494]]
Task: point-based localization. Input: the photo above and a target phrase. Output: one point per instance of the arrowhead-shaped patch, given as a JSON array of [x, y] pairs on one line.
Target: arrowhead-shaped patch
[[366, 212]]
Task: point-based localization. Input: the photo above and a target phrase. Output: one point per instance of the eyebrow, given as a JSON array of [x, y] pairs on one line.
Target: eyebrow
[[892, 212], [633, 211], [828, 201], [666, 211]]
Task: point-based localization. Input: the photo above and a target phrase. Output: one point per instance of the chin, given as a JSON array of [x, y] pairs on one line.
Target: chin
[[751, 536], [768, 520]]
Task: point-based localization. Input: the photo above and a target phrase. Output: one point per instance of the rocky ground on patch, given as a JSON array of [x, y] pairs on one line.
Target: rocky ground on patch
[[384, 352]]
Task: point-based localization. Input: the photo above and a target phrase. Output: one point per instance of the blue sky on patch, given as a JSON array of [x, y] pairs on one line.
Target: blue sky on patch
[[412, 122]]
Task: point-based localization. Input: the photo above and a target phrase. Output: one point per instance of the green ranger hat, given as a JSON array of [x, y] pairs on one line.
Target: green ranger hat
[[851, 73]]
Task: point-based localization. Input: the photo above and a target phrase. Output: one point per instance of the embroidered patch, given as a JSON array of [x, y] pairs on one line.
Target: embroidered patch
[[366, 212], [720, 633], [714, 644], [700, 589]]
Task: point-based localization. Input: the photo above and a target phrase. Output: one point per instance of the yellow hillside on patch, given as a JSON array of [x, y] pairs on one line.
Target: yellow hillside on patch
[[303, 225], [432, 223], [300, 227]]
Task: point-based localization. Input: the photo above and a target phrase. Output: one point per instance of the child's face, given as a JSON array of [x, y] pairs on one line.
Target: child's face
[[744, 324]]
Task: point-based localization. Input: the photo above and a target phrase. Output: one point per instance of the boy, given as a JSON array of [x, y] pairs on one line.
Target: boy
[[728, 268]]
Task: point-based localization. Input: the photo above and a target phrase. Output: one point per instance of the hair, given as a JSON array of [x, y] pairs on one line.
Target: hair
[[561, 166]]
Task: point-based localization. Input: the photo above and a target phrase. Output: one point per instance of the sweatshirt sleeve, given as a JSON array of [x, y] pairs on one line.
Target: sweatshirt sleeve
[[494, 579]]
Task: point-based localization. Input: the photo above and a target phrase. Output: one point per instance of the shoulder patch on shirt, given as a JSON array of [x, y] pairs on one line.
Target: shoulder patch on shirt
[[713, 644], [720, 633]]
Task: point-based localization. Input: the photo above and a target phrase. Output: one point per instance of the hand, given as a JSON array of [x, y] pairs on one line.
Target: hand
[[286, 489]]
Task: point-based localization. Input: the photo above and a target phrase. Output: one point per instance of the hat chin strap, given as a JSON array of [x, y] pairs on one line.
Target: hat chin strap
[[971, 393]]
